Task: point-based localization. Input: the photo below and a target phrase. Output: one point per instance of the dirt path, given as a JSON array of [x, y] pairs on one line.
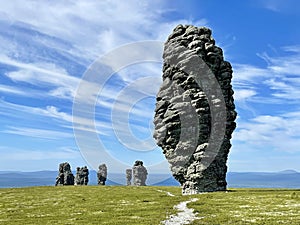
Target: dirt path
[[184, 216]]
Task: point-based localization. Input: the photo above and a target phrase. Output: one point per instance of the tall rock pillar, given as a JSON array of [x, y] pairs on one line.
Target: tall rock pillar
[[195, 111]]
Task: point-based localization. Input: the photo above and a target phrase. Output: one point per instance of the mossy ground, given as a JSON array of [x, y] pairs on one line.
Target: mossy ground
[[144, 205]]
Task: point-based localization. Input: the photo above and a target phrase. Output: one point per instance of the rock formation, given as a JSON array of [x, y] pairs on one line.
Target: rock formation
[[139, 174], [102, 174], [65, 175], [77, 180], [82, 176], [195, 111], [128, 176]]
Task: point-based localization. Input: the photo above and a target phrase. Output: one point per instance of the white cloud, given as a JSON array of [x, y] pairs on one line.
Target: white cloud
[[142, 70], [47, 76], [243, 94], [53, 112], [245, 73], [288, 63], [272, 5], [50, 111], [53, 71], [31, 156], [280, 6], [43, 75], [82, 29], [279, 133], [37, 133], [13, 90], [284, 89], [276, 83], [93, 27], [62, 119]]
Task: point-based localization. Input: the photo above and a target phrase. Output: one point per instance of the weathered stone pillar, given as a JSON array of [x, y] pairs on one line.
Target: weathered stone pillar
[[82, 176], [65, 175], [85, 174], [139, 173], [195, 111], [128, 176], [78, 176], [102, 174]]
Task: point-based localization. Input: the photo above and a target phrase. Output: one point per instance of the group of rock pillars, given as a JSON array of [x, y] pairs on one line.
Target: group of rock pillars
[[65, 176], [194, 116]]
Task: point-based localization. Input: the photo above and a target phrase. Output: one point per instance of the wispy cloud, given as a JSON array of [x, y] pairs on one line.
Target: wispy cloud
[[246, 73], [285, 89], [62, 38], [287, 63], [50, 111], [280, 77], [51, 116], [272, 5], [93, 22], [276, 129], [279, 6], [43, 75], [37, 133], [279, 133], [8, 154], [13, 90], [243, 94]]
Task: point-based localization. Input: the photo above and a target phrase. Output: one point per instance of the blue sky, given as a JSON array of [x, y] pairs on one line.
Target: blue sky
[[47, 46]]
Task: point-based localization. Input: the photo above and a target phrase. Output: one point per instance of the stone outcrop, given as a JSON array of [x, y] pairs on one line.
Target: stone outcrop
[[65, 175], [82, 176], [102, 174], [128, 177], [195, 111], [139, 173]]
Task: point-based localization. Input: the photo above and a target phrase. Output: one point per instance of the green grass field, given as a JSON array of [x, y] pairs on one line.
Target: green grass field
[[144, 205]]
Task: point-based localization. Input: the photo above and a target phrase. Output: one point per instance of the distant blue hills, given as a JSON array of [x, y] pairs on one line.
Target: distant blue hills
[[282, 179], [47, 178]]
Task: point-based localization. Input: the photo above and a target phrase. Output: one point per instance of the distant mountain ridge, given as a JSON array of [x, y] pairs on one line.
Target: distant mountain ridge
[[288, 171], [282, 179], [47, 178]]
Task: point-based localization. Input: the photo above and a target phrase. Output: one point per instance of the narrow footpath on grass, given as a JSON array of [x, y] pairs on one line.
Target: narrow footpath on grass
[[185, 214]]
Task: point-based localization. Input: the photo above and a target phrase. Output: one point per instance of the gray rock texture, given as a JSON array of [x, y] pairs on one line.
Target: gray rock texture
[[82, 176], [102, 174], [139, 173], [195, 111], [128, 177], [65, 175]]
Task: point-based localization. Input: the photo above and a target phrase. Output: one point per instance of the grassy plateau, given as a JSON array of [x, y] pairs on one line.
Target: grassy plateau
[[144, 205]]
